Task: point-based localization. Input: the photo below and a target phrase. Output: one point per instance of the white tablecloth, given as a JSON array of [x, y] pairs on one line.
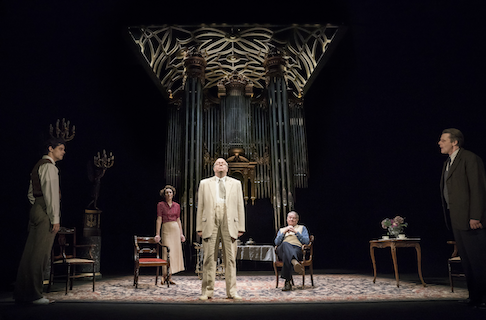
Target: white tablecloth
[[256, 253]]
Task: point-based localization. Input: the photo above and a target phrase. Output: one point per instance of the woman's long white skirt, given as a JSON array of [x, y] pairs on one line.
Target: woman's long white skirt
[[171, 237]]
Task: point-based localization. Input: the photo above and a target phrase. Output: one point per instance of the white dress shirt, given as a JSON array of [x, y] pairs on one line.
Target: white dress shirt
[[452, 156], [49, 180]]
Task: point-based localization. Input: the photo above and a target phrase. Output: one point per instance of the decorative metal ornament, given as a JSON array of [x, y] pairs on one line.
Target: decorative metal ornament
[[236, 92], [96, 171], [235, 48], [63, 131]]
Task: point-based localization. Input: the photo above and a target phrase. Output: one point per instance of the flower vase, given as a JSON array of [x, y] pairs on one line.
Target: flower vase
[[394, 232]]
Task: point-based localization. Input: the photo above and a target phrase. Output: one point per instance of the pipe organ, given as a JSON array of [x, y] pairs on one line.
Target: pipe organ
[[236, 92]]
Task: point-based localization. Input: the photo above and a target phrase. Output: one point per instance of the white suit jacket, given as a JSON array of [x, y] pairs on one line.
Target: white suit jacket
[[235, 209]]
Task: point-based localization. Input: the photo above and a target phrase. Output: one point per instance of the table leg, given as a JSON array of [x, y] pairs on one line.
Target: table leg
[[395, 265], [419, 263], [372, 253]]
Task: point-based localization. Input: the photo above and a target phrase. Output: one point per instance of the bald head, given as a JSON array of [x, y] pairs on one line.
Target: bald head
[[220, 168]]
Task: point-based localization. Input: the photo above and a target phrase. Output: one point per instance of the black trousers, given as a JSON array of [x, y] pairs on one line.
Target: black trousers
[[286, 252], [471, 245]]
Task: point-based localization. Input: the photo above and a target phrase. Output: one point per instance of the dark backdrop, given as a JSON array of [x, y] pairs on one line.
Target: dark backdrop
[[404, 72]]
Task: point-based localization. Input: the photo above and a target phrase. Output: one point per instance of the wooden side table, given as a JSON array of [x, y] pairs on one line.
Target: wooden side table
[[393, 244]]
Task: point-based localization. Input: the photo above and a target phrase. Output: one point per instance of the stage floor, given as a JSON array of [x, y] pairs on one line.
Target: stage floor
[[446, 307], [259, 288]]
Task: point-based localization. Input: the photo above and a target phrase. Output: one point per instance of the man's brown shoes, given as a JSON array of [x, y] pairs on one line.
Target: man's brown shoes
[[287, 286]]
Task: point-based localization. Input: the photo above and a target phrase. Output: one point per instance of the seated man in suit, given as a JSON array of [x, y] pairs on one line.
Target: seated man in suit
[[289, 241]]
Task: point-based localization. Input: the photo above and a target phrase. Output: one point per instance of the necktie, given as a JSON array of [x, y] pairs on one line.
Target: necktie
[[446, 174], [222, 189]]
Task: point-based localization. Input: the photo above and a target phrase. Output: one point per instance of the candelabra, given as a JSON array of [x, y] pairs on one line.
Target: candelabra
[[62, 131], [92, 222], [102, 163]]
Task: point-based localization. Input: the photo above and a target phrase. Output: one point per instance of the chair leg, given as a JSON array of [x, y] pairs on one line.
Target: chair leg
[[169, 275], [156, 275], [276, 274], [311, 274], [94, 277], [450, 277], [303, 277], [71, 276], [134, 274], [51, 278], [135, 277], [67, 277]]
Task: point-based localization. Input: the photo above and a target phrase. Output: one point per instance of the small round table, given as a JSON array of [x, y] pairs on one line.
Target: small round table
[[393, 244]]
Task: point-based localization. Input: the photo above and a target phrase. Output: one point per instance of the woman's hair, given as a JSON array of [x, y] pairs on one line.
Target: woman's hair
[[162, 192]]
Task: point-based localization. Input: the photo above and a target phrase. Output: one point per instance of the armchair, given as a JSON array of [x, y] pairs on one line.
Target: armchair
[[307, 261], [147, 253], [63, 254]]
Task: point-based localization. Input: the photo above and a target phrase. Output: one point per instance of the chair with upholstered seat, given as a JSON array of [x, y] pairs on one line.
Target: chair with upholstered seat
[[307, 261], [147, 253], [454, 266], [64, 256]]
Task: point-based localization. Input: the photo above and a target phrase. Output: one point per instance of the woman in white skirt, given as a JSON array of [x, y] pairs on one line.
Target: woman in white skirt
[[168, 217]]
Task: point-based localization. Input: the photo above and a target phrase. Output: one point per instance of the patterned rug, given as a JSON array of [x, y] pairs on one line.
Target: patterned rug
[[257, 289]]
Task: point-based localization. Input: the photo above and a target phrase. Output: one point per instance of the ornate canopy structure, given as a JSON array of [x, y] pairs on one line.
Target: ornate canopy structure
[[236, 92]]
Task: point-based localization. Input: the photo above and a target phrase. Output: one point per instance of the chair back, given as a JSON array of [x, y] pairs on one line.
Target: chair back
[[308, 251], [147, 253], [454, 253], [65, 244], [146, 247]]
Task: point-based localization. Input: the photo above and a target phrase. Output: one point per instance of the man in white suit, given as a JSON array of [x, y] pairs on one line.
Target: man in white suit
[[220, 217]]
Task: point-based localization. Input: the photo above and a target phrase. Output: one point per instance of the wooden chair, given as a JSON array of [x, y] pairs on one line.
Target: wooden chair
[[64, 256], [307, 260], [454, 260], [147, 253]]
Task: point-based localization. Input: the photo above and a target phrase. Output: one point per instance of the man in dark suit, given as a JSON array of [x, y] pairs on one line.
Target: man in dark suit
[[463, 190]]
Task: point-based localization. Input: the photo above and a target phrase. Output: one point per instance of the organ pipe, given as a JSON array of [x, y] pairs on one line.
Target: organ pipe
[[269, 131]]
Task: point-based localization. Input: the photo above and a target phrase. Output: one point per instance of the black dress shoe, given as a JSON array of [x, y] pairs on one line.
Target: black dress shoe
[[288, 286], [473, 303], [481, 306]]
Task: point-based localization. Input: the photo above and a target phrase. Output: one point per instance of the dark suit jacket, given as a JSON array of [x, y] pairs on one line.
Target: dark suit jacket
[[466, 185]]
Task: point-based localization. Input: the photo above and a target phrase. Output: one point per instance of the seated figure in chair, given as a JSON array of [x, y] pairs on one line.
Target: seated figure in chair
[[289, 242]]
